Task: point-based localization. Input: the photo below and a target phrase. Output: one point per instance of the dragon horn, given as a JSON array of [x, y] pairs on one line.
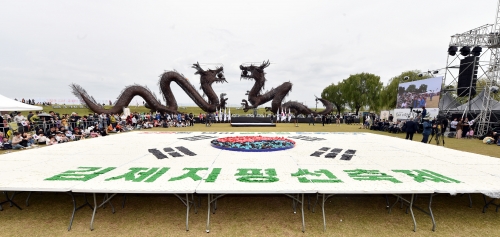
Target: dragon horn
[[198, 68], [265, 64]]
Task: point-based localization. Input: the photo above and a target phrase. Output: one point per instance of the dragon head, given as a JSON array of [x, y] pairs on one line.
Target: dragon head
[[254, 72], [210, 76]]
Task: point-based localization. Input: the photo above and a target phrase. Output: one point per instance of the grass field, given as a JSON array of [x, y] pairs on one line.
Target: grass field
[[256, 215]]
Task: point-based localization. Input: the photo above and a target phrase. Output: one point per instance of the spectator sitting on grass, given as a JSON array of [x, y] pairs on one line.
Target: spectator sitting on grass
[[61, 138], [69, 135], [28, 138], [95, 132], [17, 140], [51, 132], [51, 141], [40, 138], [78, 134], [5, 144]]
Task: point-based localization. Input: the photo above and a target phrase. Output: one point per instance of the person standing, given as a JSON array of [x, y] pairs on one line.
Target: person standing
[[465, 127], [311, 119], [411, 128], [191, 119], [460, 125], [323, 119], [427, 129], [424, 112], [453, 125]]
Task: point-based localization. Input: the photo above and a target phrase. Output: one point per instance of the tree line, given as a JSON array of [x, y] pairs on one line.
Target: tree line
[[366, 91]]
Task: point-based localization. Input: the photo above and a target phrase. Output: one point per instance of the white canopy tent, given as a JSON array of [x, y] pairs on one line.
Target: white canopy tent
[[7, 104]]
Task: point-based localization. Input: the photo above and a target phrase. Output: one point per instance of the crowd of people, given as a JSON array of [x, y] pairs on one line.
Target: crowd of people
[[23, 132], [458, 128], [413, 100], [33, 102]]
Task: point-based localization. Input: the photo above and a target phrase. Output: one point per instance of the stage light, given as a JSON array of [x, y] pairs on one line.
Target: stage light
[[452, 50], [476, 51], [464, 51], [420, 75], [435, 72], [406, 78]]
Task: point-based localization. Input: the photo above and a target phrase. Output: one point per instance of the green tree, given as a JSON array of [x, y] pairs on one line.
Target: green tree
[[333, 94], [362, 89], [411, 88], [422, 88]]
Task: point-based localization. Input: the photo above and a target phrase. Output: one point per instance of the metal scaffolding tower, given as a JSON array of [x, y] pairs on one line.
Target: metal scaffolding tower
[[486, 37]]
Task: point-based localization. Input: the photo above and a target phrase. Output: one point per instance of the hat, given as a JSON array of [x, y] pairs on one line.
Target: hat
[[427, 117], [77, 128]]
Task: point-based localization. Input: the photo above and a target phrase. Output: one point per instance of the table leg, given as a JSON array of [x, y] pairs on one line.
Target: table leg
[[323, 211], [93, 213], [208, 218], [302, 210], [187, 212], [9, 200], [432, 214]]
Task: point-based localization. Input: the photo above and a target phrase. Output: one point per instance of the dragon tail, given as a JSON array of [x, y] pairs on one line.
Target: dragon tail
[[123, 100], [299, 108]]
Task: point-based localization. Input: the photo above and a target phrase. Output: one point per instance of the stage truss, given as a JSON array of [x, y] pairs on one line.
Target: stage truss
[[487, 37]]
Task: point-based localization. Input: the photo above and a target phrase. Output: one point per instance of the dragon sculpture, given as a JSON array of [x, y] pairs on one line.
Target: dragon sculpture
[[276, 95], [207, 78]]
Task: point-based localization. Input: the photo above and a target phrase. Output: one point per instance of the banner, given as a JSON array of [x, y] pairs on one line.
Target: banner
[[413, 96]]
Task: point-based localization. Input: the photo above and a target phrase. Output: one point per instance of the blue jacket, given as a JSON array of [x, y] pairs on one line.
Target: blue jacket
[[427, 128]]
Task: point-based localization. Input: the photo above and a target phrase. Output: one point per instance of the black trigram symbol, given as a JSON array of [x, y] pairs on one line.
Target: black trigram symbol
[[160, 155], [307, 138], [334, 152], [196, 138]]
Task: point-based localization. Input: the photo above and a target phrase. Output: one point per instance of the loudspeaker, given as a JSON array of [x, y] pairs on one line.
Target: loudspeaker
[[467, 74]]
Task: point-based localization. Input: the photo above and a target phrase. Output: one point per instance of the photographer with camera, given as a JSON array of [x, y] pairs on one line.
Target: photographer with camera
[[427, 128]]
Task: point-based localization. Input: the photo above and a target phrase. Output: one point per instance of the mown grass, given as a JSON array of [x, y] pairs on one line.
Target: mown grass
[[256, 215]]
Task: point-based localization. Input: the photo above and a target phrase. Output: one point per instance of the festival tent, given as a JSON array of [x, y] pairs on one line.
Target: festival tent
[[7, 104], [447, 102], [476, 104]]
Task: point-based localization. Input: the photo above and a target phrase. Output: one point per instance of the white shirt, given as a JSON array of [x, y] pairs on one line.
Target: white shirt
[[453, 124], [19, 118]]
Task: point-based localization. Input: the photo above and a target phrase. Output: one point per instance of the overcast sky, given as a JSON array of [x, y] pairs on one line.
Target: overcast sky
[[106, 45]]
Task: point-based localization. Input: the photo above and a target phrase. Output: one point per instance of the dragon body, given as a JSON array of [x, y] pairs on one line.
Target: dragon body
[[207, 78], [275, 95]]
